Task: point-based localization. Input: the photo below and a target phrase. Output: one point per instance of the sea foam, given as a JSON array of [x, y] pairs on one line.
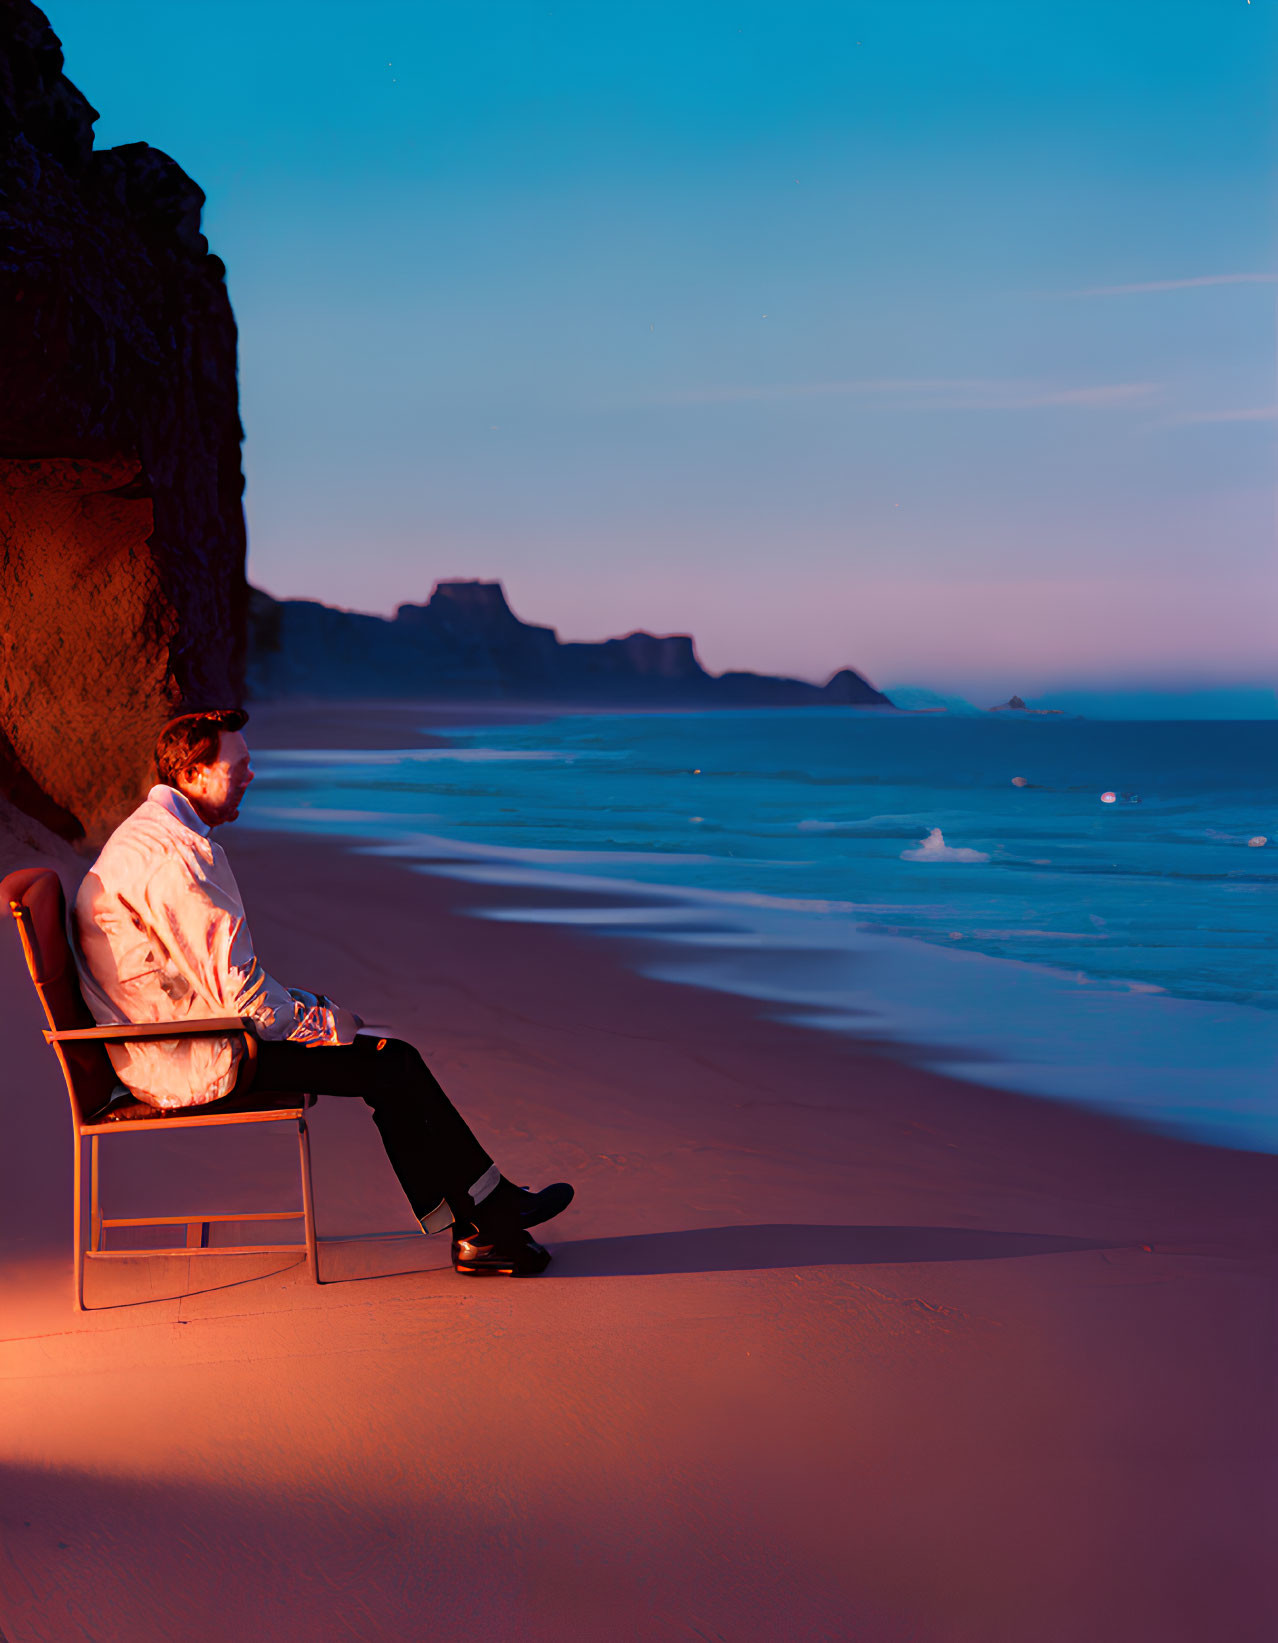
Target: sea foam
[[934, 848]]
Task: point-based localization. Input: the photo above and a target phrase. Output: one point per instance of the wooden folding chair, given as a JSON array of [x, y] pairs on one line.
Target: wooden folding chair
[[100, 1106]]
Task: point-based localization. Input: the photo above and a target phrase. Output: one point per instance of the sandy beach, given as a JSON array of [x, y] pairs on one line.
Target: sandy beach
[[832, 1347]]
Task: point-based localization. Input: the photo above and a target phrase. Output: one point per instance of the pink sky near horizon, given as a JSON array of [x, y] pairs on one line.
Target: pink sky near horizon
[[1097, 609]]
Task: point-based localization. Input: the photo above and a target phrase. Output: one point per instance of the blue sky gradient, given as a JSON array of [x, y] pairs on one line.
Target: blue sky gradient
[[937, 339]]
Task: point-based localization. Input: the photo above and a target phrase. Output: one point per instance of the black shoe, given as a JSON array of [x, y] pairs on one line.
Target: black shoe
[[514, 1254], [510, 1206]]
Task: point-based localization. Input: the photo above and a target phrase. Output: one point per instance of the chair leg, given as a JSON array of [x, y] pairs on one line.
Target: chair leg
[[77, 1244], [95, 1202], [308, 1200]]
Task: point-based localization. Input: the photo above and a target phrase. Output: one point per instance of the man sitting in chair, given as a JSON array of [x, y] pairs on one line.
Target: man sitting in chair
[[161, 936]]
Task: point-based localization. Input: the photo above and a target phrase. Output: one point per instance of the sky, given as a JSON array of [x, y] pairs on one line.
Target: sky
[[935, 338]]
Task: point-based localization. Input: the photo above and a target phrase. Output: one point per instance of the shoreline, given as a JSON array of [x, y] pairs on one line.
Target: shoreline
[[832, 1345], [457, 902], [319, 723], [1143, 1051], [871, 990]]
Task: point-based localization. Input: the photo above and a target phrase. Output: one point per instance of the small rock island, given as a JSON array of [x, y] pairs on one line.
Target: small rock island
[[1014, 704]]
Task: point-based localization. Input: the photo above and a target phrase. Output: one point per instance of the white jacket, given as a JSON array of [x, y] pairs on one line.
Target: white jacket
[[160, 935]]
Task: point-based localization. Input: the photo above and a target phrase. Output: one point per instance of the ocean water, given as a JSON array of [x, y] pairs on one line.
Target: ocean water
[[955, 886]]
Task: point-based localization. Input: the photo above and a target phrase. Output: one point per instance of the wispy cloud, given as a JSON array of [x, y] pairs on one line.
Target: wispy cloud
[[1174, 285], [1101, 396], [735, 392], [932, 393], [1254, 413]]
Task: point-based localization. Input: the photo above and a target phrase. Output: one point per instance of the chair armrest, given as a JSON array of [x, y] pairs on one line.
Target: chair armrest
[[138, 1031]]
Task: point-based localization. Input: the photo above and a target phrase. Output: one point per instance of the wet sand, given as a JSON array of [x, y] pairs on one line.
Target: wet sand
[[832, 1347], [302, 723]]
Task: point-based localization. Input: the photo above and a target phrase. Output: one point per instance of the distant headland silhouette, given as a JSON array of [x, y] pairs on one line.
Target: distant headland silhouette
[[467, 643]]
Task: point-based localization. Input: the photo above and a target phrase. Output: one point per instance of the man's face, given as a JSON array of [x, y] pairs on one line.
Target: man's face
[[215, 790]]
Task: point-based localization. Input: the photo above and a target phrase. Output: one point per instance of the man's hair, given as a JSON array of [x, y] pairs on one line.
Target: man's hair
[[192, 739]]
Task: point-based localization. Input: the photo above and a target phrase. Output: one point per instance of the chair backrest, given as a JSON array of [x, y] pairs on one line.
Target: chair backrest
[[34, 897]]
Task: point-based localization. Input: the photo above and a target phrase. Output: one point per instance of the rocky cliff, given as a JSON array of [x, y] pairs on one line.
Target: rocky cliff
[[122, 594], [467, 643]]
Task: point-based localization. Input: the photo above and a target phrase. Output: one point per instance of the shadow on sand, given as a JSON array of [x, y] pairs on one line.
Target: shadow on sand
[[753, 1248], [363, 1256]]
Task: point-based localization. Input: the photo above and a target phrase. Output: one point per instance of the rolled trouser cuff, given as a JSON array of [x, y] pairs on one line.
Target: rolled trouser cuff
[[438, 1219]]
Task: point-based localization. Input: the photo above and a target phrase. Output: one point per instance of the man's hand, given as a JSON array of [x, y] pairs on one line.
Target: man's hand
[[346, 1024]]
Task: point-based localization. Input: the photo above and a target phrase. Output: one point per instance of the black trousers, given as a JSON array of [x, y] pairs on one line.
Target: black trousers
[[429, 1144]]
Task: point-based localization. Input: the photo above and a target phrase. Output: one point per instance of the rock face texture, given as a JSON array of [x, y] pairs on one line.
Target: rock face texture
[[467, 643], [122, 592]]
